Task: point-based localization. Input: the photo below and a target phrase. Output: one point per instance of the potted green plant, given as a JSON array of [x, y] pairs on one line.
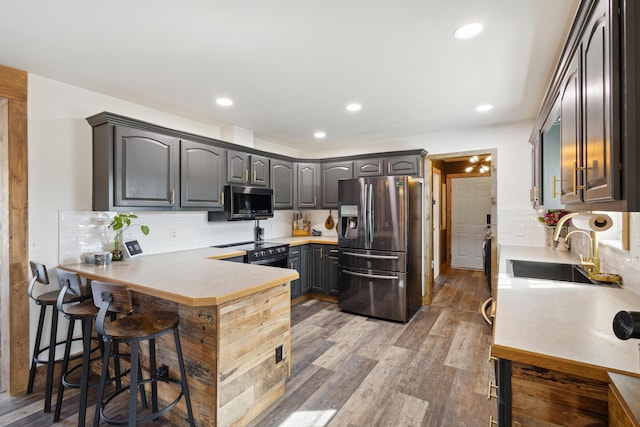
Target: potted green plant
[[120, 223]]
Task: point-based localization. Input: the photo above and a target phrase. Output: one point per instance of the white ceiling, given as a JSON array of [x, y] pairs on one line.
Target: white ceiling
[[291, 66]]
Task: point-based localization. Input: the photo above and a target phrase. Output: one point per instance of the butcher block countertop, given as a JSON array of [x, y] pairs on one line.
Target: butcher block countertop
[[195, 277], [561, 325]]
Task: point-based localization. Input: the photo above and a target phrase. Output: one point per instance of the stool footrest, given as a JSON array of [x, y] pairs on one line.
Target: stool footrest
[[149, 417]]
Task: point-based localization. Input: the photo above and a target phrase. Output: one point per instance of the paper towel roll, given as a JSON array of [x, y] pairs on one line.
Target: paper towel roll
[[595, 222]]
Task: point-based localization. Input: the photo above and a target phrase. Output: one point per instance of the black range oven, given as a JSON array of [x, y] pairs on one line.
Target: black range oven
[[263, 253]]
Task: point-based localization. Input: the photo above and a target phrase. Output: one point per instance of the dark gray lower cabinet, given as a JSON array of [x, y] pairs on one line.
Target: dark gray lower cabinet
[[295, 263], [323, 266], [503, 381], [305, 285], [299, 261], [332, 272]]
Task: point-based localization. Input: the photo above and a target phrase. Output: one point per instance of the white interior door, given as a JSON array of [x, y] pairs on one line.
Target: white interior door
[[470, 205], [436, 222]]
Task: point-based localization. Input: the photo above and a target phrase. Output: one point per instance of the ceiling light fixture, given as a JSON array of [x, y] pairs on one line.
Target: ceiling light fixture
[[479, 165], [468, 31], [319, 134], [225, 102], [354, 107], [484, 107]]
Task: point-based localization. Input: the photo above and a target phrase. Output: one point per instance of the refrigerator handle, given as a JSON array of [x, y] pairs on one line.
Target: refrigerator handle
[[370, 276], [366, 216], [371, 213]]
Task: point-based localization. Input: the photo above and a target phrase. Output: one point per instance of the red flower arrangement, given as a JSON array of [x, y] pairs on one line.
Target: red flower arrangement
[[552, 217]]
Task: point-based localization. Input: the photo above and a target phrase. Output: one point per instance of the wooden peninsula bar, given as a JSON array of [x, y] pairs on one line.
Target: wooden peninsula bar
[[234, 318]]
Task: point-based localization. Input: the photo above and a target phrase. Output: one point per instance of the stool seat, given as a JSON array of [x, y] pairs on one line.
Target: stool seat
[[85, 309], [141, 325], [50, 298]]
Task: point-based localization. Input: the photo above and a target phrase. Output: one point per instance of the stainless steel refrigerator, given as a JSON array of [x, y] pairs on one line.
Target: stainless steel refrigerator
[[381, 251]]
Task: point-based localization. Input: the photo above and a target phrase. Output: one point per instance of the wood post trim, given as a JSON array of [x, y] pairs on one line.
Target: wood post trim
[[14, 301]]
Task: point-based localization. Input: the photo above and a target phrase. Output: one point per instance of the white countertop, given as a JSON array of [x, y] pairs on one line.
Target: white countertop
[[196, 277], [561, 321]]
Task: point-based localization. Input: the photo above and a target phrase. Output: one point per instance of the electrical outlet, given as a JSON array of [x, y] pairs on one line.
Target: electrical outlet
[[162, 371], [279, 354], [173, 234]]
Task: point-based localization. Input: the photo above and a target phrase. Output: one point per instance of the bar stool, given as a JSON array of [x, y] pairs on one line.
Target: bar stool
[[47, 299], [85, 312], [131, 329]]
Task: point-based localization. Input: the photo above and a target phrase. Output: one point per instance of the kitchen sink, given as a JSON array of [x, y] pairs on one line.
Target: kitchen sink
[[549, 271]]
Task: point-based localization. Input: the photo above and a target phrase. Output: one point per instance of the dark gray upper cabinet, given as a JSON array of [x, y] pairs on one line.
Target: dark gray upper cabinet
[[391, 165], [308, 184], [146, 166], [570, 133], [202, 175], [598, 145], [404, 165], [259, 171], [247, 169], [597, 83], [143, 166], [331, 174], [369, 167], [282, 176], [238, 167]]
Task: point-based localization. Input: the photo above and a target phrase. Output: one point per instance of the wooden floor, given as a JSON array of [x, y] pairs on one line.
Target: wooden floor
[[349, 370]]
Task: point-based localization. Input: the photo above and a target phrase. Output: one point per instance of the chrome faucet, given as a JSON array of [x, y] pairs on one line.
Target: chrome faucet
[[591, 264]]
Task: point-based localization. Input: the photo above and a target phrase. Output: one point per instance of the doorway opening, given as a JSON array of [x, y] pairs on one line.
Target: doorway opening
[[464, 208]]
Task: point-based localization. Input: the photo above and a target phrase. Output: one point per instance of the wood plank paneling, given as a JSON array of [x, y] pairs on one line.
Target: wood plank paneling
[[13, 87], [250, 329], [539, 394]]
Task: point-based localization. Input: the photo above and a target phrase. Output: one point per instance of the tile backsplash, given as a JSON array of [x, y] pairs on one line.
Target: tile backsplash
[[87, 231]]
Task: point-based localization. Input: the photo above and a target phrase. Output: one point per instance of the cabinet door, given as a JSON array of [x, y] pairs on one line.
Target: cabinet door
[[596, 74], [570, 130], [238, 167], [308, 183], [536, 183], [305, 284], [294, 263], [369, 167], [331, 271], [146, 165], [201, 175], [259, 171], [282, 184], [403, 165], [316, 268], [331, 174], [549, 169]]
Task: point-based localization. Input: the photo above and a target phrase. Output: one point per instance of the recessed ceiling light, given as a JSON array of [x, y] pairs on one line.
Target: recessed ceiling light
[[484, 107], [354, 107], [319, 134], [468, 31], [225, 102]]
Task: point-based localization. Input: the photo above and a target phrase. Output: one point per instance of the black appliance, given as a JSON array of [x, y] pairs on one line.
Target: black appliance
[[263, 253], [245, 203], [380, 238], [486, 258]]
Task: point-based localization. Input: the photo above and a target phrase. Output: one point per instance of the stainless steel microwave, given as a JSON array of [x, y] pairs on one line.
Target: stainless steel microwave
[[245, 203]]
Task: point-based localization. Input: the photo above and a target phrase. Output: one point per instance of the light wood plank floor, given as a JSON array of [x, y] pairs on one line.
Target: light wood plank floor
[[349, 370]]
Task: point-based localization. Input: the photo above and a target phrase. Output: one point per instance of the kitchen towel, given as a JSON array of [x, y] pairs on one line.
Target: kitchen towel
[[593, 222]]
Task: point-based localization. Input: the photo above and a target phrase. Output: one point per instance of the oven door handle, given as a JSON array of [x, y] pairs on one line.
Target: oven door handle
[[370, 276], [371, 256]]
